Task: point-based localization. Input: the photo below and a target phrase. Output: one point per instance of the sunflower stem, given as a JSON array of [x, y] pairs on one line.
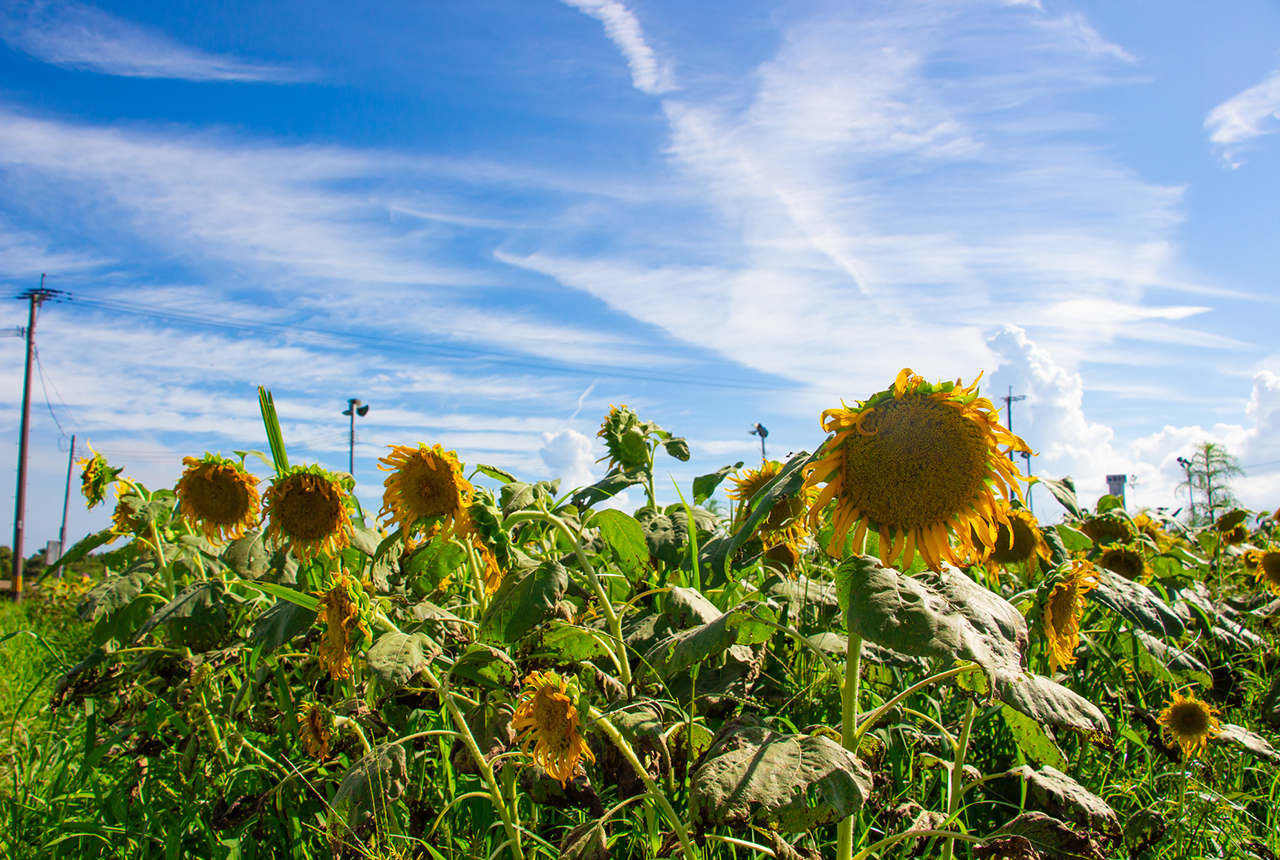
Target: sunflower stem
[[486, 771], [955, 783], [849, 736], [606, 605], [158, 546], [611, 731]]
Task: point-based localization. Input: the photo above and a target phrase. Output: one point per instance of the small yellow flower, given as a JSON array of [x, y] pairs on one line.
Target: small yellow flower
[[426, 483], [1189, 723], [218, 497], [1267, 571], [547, 718], [343, 627], [96, 475], [315, 728], [786, 522], [1063, 609], [920, 463], [307, 507]]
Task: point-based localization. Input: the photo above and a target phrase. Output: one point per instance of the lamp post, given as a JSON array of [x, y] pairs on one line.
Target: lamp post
[[759, 430], [354, 408]]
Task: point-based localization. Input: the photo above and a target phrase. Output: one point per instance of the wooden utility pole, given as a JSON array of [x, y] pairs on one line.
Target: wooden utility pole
[[66, 500], [35, 298]]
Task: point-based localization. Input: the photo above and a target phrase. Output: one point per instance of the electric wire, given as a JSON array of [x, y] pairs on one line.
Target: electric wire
[[457, 353]]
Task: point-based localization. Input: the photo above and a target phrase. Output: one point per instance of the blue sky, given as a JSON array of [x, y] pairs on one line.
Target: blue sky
[[491, 220]]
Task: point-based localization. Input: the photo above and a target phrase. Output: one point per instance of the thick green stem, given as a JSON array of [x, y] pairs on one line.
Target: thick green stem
[[849, 736], [606, 605], [611, 731], [955, 783], [914, 688], [486, 772], [169, 585]]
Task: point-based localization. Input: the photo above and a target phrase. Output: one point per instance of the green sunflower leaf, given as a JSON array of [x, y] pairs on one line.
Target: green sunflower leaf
[[704, 486], [523, 602]]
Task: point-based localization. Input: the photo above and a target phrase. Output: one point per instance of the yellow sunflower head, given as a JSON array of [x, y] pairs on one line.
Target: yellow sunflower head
[[345, 626], [307, 507], [921, 463], [1062, 611], [1188, 723], [1107, 528], [1126, 561], [218, 497], [1252, 558], [95, 476], [547, 718], [315, 729], [1153, 530], [426, 484], [786, 522], [1268, 568], [785, 556]]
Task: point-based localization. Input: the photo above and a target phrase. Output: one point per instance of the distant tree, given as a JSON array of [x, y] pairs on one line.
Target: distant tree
[[1208, 482]]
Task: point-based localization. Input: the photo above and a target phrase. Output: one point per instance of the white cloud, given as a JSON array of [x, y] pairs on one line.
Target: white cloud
[[78, 36], [568, 456], [1244, 116], [1052, 420], [647, 74]]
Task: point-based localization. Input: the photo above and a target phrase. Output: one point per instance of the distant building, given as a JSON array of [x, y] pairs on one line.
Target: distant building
[[1115, 485]]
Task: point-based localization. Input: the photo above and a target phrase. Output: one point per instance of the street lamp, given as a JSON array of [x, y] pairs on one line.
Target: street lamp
[[354, 408], [761, 432]]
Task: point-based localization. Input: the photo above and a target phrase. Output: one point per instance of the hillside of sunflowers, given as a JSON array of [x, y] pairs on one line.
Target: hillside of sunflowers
[[876, 651]]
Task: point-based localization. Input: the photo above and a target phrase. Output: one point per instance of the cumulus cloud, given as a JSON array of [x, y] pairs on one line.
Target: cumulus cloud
[[78, 36], [1052, 420], [1245, 116], [620, 25], [568, 456]]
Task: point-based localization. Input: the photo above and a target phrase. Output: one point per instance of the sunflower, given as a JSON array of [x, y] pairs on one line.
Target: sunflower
[[307, 507], [784, 555], [1145, 525], [1126, 561], [426, 483], [1268, 568], [1188, 723], [1063, 609], [315, 728], [547, 717], [1107, 528], [786, 521], [219, 497], [626, 438], [493, 574], [344, 627], [1235, 535], [921, 464], [96, 476], [125, 519]]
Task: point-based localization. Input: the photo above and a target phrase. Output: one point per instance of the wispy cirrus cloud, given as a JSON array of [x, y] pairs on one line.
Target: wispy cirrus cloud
[[78, 36], [648, 73], [1247, 115]]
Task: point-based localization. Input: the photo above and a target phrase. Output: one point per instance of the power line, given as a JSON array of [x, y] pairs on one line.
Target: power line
[[458, 353], [62, 434]]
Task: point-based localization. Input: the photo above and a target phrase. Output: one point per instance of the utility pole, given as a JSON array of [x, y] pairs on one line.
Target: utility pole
[[35, 298], [1008, 411], [354, 408], [66, 500]]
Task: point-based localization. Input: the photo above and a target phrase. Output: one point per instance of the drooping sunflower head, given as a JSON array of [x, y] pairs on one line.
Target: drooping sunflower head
[[1189, 723], [1063, 608], [342, 609], [307, 507], [920, 463], [95, 476], [315, 729], [1267, 571], [219, 497], [492, 542], [426, 490], [1146, 525], [1107, 528], [1019, 541], [1126, 561], [786, 522], [547, 718], [127, 518], [1235, 535]]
